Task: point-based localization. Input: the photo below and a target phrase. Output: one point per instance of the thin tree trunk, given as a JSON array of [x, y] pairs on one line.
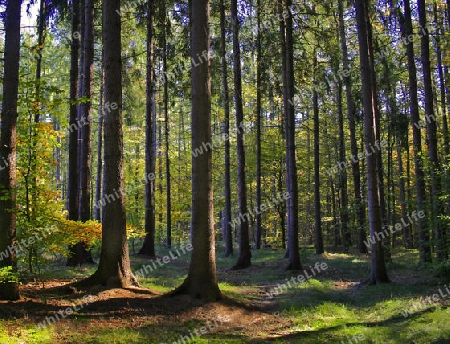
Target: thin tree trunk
[[378, 268], [258, 126], [99, 178], [318, 242], [424, 234], [291, 162], [431, 124], [9, 290], [226, 132], [244, 259], [148, 248], [351, 113]]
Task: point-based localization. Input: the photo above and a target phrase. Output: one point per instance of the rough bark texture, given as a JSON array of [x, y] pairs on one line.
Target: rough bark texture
[[8, 140], [114, 267], [378, 268], [201, 281]]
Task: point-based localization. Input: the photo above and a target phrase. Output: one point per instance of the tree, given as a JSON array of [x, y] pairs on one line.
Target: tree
[[378, 268], [9, 289], [289, 120], [424, 235], [114, 267], [226, 132], [431, 124], [201, 281], [148, 248], [244, 258]]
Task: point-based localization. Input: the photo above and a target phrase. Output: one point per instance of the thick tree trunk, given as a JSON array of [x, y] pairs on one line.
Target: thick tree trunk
[[244, 258], [378, 268], [148, 248], [226, 132], [201, 281], [8, 140], [114, 267]]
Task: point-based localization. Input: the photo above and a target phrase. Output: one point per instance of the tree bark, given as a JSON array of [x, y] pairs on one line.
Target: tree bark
[[318, 237], [226, 132], [351, 113], [148, 248], [201, 281], [244, 258], [8, 140], [378, 268], [114, 267], [291, 162]]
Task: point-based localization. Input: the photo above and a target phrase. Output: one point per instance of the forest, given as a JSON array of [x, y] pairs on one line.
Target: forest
[[211, 171]]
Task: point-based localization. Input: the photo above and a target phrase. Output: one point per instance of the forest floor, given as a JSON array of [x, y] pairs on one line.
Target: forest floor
[[331, 307]]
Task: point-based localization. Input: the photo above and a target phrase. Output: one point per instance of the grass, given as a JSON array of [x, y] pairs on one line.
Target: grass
[[332, 307]]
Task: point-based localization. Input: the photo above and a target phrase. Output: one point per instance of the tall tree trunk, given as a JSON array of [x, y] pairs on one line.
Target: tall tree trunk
[[148, 248], [72, 188], [114, 267], [378, 268], [346, 235], [166, 136], [201, 281], [99, 178], [258, 125], [431, 125], [291, 161], [244, 258], [351, 113], [318, 243], [9, 290], [424, 234], [226, 132]]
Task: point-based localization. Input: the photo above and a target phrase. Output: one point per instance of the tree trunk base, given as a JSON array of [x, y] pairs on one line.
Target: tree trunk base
[[107, 281], [208, 294], [9, 291]]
